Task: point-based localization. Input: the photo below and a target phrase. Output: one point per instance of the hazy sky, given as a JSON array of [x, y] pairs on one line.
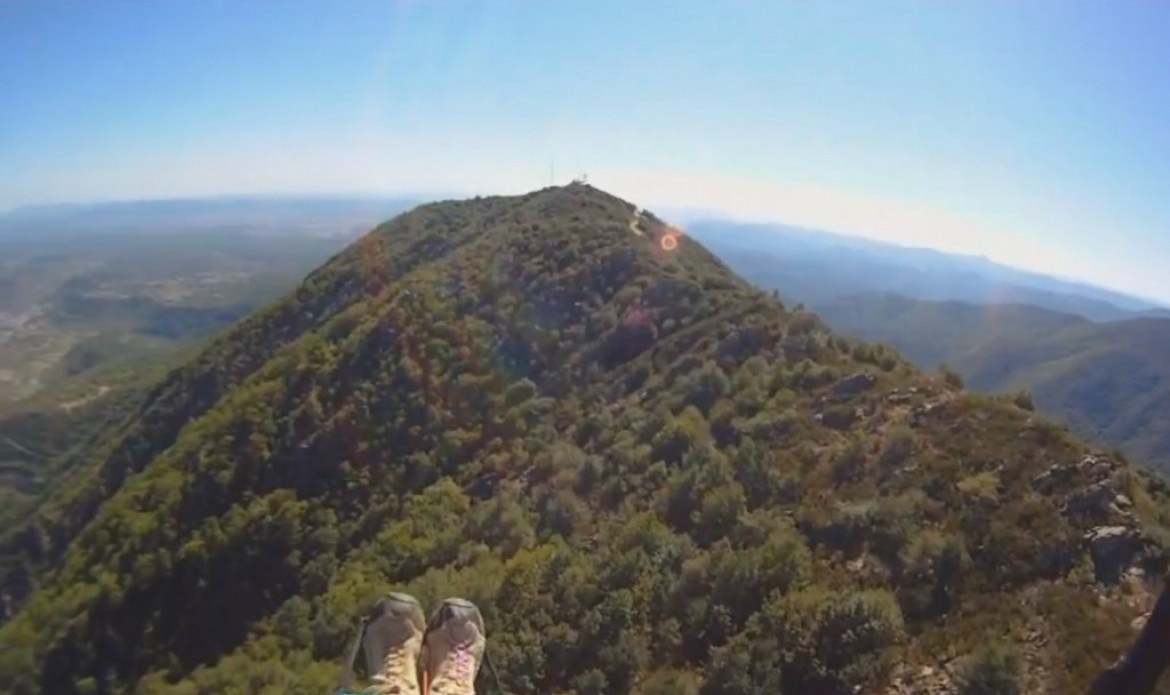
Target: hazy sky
[[1036, 133]]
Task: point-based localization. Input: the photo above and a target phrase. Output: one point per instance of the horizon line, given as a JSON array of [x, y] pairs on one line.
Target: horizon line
[[696, 214]]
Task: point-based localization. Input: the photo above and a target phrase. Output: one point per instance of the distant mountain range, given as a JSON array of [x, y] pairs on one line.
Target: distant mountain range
[[1092, 356], [257, 212], [814, 266]]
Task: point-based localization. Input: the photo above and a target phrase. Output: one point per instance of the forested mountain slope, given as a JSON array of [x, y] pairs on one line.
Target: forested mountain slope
[[49, 436], [652, 477], [1110, 381]]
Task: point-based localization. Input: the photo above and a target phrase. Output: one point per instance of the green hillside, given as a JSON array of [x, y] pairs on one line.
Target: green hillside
[[46, 437], [1110, 381], [93, 287], [652, 477]]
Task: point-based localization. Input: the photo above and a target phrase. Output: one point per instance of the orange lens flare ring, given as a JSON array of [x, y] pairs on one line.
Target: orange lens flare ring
[[669, 239]]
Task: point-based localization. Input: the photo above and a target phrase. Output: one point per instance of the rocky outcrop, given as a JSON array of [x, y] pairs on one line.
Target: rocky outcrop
[[1096, 495], [854, 384], [1093, 493], [924, 680], [1098, 502], [919, 415], [901, 396], [1114, 549], [1093, 468]]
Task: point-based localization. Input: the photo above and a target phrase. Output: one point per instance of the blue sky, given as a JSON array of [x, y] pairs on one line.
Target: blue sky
[[1031, 132]]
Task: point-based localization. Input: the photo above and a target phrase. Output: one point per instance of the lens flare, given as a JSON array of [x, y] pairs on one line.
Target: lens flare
[[669, 239]]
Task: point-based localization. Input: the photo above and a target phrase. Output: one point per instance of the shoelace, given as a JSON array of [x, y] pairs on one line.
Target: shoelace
[[457, 674], [394, 669], [462, 668]]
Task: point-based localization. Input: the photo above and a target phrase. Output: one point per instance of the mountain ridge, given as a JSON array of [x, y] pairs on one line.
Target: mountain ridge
[[782, 257], [1108, 379], [644, 470]]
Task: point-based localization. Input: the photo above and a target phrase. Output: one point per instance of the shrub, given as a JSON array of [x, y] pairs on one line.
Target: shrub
[[994, 669], [1023, 399], [950, 376]]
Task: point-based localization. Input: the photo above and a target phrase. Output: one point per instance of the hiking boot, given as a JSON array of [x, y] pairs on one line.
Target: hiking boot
[[392, 641], [454, 648]]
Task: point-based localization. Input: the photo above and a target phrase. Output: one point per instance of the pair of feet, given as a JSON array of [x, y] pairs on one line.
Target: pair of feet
[[398, 643]]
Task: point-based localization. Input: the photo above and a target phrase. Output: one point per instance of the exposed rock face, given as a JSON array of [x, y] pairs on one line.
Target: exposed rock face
[[854, 384], [901, 396], [1097, 495], [926, 680], [1096, 469], [1095, 501], [921, 414], [1114, 549]]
